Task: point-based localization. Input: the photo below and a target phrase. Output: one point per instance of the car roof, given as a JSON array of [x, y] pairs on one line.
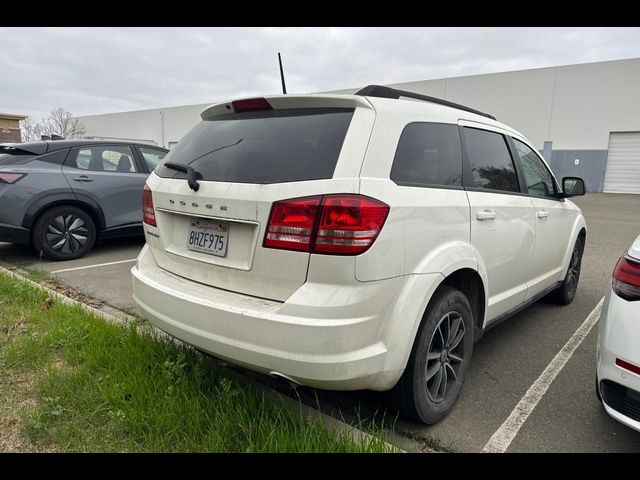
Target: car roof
[[44, 146]]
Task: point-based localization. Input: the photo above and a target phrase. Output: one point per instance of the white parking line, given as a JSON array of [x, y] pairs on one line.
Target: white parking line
[[92, 266], [500, 441]]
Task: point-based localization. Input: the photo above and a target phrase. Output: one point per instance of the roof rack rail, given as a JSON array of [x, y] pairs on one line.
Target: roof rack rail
[[387, 92]]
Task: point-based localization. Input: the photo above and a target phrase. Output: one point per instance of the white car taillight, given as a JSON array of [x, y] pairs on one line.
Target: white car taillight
[[626, 279], [148, 212], [336, 224]]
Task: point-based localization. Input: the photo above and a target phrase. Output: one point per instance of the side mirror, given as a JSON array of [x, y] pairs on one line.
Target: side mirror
[[572, 187]]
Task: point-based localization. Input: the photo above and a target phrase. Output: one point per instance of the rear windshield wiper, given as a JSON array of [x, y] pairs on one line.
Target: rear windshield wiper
[[192, 175]]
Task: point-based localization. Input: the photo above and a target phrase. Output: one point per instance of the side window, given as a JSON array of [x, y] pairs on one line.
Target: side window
[[152, 157], [428, 154], [83, 160], [539, 180], [491, 162], [110, 158]]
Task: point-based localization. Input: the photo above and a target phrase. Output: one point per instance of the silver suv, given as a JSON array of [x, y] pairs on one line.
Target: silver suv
[[354, 241], [60, 196]]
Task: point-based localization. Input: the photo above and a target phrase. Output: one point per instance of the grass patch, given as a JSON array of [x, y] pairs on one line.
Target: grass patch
[[40, 276], [100, 387]]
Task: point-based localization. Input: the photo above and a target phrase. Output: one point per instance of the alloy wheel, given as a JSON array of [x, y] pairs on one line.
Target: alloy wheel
[[574, 271], [67, 233], [445, 356]]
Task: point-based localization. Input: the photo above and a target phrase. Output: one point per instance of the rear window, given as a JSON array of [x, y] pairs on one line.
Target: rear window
[[274, 146]]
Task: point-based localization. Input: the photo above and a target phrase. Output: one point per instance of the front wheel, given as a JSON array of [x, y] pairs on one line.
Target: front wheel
[[64, 233], [566, 292], [439, 359]]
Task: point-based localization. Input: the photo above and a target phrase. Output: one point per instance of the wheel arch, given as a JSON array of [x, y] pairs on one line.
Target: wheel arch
[[470, 283], [579, 231], [87, 204]]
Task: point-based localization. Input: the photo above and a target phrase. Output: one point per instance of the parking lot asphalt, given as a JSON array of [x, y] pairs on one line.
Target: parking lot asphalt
[[506, 362]]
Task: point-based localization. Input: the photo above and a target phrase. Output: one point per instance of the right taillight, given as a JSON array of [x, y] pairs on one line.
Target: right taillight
[[336, 224], [626, 279], [148, 212]]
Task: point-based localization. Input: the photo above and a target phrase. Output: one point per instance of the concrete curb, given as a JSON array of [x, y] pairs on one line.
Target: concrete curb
[[331, 423], [70, 301]]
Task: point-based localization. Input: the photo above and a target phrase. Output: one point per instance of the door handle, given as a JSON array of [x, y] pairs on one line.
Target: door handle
[[83, 178], [485, 215], [542, 214]]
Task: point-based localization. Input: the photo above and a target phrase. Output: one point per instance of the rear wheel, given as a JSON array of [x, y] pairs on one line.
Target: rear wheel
[[64, 233], [439, 359], [566, 292]]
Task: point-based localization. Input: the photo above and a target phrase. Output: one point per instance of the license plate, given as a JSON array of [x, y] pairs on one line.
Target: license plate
[[208, 237]]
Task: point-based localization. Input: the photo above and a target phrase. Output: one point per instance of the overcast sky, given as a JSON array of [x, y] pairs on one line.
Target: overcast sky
[[102, 70]]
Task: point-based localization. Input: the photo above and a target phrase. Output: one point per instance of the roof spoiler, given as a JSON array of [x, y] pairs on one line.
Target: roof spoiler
[[37, 148], [388, 92]]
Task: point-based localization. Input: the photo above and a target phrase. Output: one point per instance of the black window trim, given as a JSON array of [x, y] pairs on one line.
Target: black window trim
[[136, 159], [556, 187], [428, 185], [467, 173]]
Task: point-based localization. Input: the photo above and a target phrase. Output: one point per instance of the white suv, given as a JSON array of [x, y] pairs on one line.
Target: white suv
[[353, 241]]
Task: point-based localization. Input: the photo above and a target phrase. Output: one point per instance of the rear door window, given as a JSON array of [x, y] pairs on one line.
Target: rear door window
[[274, 146], [428, 154], [491, 163]]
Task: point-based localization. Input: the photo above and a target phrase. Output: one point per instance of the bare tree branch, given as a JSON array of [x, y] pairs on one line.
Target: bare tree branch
[[59, 122], [31, 130]]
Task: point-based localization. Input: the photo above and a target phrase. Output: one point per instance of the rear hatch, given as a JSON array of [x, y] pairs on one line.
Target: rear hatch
[[248, 155]]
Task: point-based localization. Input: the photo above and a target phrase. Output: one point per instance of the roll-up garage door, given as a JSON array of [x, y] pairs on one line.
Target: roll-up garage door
[[623, 163]]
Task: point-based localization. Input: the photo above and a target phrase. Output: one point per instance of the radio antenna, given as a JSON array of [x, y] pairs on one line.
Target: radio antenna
[[284, 87]]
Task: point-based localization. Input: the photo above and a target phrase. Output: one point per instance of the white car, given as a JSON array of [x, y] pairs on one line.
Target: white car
[[353, 241], [618, 351]]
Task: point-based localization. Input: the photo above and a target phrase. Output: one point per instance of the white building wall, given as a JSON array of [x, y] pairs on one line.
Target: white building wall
[[573, 106], [592, 100], [160, 125]]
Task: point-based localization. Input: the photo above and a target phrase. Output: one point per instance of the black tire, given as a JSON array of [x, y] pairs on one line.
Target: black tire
[[566, 292], [418, 395], [64, 232]]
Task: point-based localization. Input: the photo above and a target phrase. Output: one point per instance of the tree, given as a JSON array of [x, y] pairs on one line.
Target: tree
[[59, 122], [31, 130]]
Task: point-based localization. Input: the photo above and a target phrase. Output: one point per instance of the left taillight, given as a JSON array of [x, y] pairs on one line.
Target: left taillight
[[148, 212], [6, 177], [626, 279]]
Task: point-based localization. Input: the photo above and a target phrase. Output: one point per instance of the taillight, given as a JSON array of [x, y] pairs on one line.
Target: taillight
[[291, 224], [337, 224], [626, 279], [148, 213], [251, 104], [6, 177], [349, 224]]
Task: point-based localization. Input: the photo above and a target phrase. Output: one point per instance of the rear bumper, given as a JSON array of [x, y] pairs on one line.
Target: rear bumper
[[618, 337], [324, 336], [13, 234]]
